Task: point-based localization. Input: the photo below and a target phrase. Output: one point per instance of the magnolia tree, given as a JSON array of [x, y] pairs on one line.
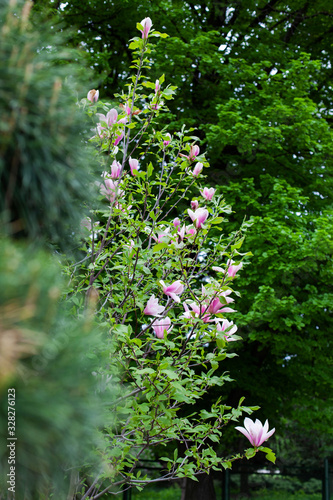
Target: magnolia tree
[[160, 270]]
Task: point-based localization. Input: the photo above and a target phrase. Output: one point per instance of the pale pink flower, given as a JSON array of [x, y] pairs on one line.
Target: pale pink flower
[[110, 118], [255, 432], [197, 169], [232, 270], [191, 230], [222, 327], [115, 169], [194, 204], [199, 216], [100, 130], [208, 193], [173, 290], [157, 86], [119, 138], [146, 23], [92, 95], [111, 190], [162, 237], [176, 222], [181, 233], [152, 308], [130, 245], [167, 142], [187, 314], [199, 311], [216, 307], [134, 165], [194, 151], [162, 327]]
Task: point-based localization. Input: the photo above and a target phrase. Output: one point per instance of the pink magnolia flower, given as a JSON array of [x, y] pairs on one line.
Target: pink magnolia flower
[[255, 432], [194, 151], [181, 233], [222, 327], [100, 130], [191, 230], [152, 308], [157, 86], [216, 307], [110, 118], [199, 311], [187, 314], [173, 290], [162, 236], [208, 193], [119, 138], [162, 327], [92, 95], [115, 169], [167, 142], [199, 216], [134, 165], [194, 204], [176, 222], [232, 270], [111, 190], [146, 23], [126, 108], [197, 169]]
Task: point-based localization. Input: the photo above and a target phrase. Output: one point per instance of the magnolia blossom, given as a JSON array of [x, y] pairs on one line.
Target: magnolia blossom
[[167, 142], [232, 270], [92, 95], [110, 118], [119, 138], [126, 108], [197, 169], [191, 230], [134, 165], [208, 193], [194, 204], [216, 307], [152, 308], [111, 190], [181, 233], [146, 23], [222, 327], [157, 86], [161, 327], [199, 216], [194, 151], [176, 222], [162, 237], [173, 290], [255, 432], [199, 311], [115, 169]]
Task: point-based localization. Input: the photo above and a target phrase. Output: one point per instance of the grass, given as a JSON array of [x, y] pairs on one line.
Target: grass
[[174, 493]]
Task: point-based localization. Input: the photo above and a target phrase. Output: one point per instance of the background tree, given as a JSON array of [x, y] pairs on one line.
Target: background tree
[[44, 174]]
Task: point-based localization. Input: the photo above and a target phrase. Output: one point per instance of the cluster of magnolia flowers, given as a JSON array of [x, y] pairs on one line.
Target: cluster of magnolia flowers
[[205, 310]]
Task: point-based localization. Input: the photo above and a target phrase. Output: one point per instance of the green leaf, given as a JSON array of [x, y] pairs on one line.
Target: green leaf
[[159, 246]]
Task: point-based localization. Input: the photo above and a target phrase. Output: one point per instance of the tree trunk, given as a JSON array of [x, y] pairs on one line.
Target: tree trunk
[[203, 489]]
